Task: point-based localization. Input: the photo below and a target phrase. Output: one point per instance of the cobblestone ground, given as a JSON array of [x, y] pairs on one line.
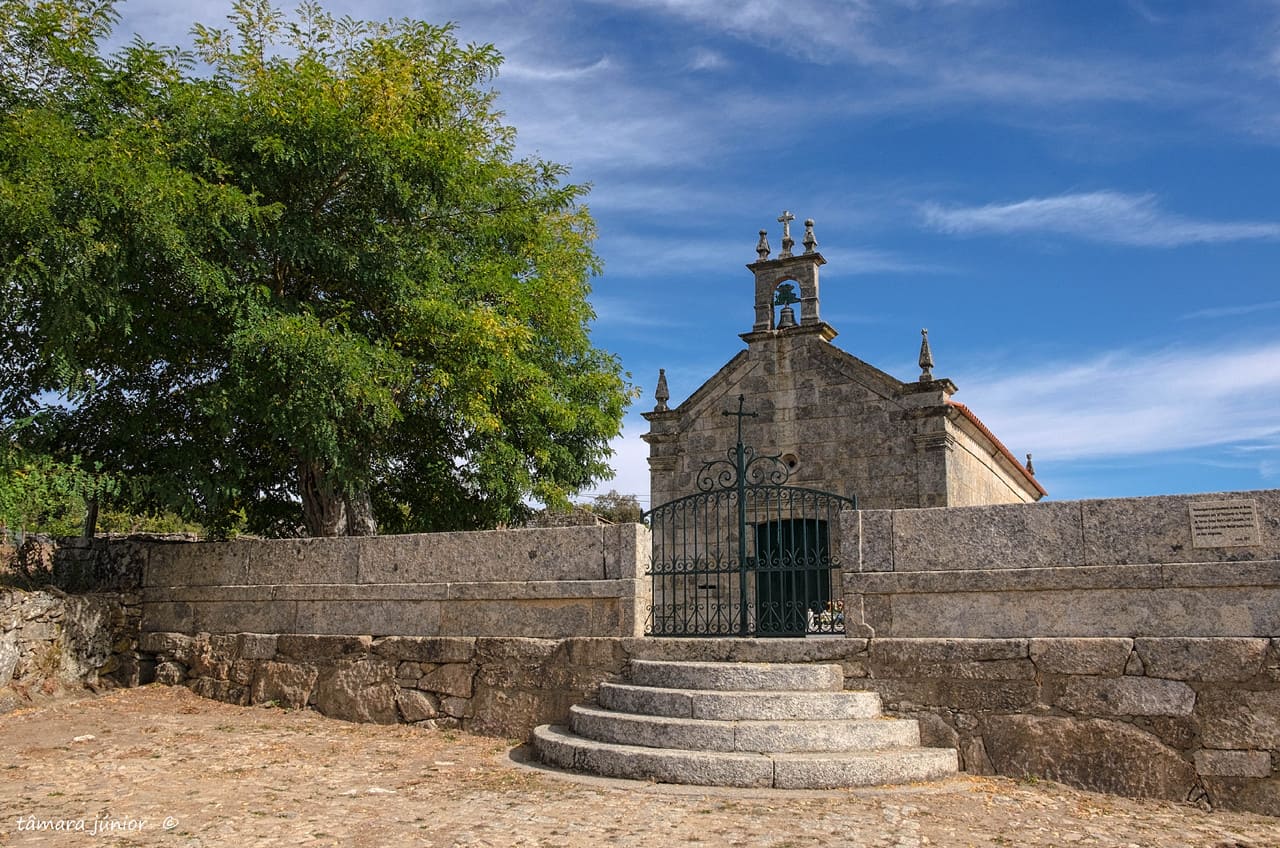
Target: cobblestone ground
[[159, 766]]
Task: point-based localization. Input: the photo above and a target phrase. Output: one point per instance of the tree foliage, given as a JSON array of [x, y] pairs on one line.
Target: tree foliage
[[309, 285], [39, 494], [617, 507]]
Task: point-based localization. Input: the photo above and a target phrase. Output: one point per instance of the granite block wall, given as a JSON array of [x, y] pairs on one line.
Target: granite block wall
[[544, 583], [1183, 565]]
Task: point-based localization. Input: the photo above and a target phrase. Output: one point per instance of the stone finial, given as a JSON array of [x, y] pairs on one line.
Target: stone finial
[[762, 246], [1031, 469], [810, 241], [788, 242], [661, 394], [926, 358]]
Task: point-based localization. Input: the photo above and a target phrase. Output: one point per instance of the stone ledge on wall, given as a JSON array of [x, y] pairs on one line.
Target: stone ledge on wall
[[1085, 711]]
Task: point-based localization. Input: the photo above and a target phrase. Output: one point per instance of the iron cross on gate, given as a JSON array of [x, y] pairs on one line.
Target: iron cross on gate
[[744, 627]]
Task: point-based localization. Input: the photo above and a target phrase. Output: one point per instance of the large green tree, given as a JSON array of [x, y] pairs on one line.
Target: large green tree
[[296, 279]]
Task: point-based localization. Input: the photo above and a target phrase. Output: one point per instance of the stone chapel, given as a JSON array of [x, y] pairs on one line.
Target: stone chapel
[[838, 423]]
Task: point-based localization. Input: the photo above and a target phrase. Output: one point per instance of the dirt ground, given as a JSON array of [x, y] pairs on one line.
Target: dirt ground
[[160, 766]]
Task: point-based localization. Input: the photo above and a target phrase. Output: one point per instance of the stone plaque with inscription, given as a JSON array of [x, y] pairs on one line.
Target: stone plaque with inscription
[[1222, 524]]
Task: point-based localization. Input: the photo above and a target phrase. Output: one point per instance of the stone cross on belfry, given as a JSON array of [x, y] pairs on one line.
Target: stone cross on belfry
[[788, 242]]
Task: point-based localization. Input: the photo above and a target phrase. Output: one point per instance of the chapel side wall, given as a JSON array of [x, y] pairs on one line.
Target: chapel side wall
[[975, 477], [545, 582]]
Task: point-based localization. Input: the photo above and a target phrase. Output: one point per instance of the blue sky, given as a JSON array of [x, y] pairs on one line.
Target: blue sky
[[1081, 201]]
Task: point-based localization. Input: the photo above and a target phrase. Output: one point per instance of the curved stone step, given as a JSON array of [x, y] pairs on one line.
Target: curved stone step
[[784, 735], [558, 746], [736, 677], [738, 706], [870, 768]]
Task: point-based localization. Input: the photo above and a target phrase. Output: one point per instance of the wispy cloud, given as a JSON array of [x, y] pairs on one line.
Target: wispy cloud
[[1107, 216], [1232, 311], [1131, 403], [547, 73]]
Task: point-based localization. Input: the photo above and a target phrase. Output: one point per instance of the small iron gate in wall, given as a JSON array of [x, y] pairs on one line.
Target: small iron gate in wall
[[747, 555]]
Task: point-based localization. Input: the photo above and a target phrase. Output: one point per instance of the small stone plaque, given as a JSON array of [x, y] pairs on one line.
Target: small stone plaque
[[1224, 524]]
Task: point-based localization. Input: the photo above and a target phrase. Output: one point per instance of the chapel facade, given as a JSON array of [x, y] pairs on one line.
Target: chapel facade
[[837, 423]]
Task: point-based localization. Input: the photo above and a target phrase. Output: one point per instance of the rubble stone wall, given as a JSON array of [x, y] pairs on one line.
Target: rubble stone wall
[[51, 643], [1176, 718]]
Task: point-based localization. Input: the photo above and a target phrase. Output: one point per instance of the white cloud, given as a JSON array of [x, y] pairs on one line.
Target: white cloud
[[1126, 404], [708, 60], [1106, 216]]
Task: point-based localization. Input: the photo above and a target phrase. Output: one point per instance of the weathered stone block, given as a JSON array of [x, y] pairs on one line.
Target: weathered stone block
[[560, 553], [1158, 529], [198, 564], [1240, 719], [288, 684], [175, 645], [545, 619], [973, 756], [264, 615], [627, 548], [935, 732], [220, 690], [170, 617], [416, 706], [1201, 658], [954, 659], [211, 656], [1177, 732], [1037, 535], [363, 690], [428, 649], [256, 646], [1103, 657], [1243, 793], [319, 648], [241, 672], [381, 618], [453, 679], [1216, 763], [295, 561], [1020, 610], [455, 707], [1105, 756], [514, 713], [170, 673], [997, 695], [1127, 696], [596, 653]]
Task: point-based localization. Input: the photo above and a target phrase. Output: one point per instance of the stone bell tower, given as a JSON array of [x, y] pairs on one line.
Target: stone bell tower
[[839, 424], [774, 278]]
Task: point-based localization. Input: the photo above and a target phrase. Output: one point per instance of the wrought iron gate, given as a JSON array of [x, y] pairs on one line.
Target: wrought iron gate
[[747, 555]]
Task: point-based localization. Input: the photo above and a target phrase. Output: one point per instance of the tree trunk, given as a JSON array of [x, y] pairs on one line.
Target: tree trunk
[[323, 509], [90, 518], [360, 520]]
